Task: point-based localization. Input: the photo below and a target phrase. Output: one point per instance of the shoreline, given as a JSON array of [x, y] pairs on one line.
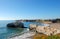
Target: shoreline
[[31, 34], [26, 35]]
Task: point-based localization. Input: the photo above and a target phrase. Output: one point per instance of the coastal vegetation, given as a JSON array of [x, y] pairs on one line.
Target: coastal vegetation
[[43, 36], [57, 20]]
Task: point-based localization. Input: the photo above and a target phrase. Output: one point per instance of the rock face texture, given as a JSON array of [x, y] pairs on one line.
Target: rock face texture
[[15, 25], [32, 26], [45, 29]]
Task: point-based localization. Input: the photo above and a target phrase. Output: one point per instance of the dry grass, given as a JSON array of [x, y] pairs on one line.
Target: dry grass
[[43, 36], [58, 35], [39, 36]]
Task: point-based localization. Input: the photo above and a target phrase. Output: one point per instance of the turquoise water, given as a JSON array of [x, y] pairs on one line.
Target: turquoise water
[[5, 32], [8, 32]]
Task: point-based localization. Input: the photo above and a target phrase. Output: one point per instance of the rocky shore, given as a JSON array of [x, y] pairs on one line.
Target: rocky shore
[[51, 29], [37, 30]]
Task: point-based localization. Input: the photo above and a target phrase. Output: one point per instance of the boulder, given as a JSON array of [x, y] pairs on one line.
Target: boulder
[[47, 30], [44, 29], [32, 26], [11, 25], [40, 29], [16, 25]]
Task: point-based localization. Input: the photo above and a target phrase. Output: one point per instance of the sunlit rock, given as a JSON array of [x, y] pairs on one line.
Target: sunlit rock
[[32, 26]]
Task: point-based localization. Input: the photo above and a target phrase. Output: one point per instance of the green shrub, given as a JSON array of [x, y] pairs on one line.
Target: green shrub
[[53, 37]]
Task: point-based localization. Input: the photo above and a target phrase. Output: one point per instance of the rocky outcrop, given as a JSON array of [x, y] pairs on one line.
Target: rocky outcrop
[[45, 29], [32, 26], [15, 25]]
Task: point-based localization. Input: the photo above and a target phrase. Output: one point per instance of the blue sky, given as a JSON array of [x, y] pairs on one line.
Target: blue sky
[[29, 9]]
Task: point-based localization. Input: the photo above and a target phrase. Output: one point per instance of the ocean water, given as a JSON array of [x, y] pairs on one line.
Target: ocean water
[[6, 33]]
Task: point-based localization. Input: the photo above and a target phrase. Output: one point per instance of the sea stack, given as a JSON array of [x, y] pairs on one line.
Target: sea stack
[[15, 25]]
